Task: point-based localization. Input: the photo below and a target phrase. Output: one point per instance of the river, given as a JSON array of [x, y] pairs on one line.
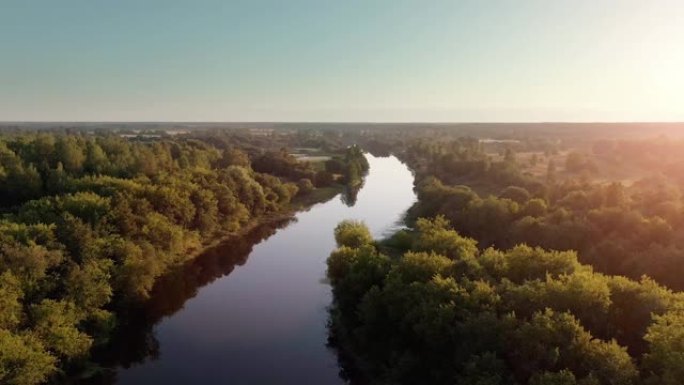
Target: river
[[254, 310]]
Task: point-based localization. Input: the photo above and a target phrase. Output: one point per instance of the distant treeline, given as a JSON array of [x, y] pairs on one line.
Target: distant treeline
[[630, 230]]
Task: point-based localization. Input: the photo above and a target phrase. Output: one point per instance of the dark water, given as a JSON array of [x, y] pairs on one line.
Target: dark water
[[253, 311]]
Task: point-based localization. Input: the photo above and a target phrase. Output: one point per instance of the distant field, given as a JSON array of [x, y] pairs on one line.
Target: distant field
[[312, 158]]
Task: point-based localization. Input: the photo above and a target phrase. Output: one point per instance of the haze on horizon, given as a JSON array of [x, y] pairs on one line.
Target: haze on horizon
[[173, 60]]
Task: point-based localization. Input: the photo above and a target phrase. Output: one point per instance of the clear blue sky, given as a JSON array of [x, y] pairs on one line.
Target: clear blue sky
[[292, 60]]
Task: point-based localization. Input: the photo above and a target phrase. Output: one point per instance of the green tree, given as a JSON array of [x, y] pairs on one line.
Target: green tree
[[11, 309], [352, 234], [24, 360], [665, 360], [515, 193], [96, 160], [234, 157], [56, 325], [70, 154], [206, 211], [435, 235]]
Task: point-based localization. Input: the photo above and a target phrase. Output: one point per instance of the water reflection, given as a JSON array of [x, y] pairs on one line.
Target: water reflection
[[351, 194], [135, 341], [266, 322]]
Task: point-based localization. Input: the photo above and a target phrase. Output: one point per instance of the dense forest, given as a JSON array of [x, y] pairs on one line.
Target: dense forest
[[619, 204], [529, 259], [534, 254], [430, 306], [91, 221]]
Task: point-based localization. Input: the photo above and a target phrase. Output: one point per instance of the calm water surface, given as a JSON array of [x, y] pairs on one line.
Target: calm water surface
[[253, 311]]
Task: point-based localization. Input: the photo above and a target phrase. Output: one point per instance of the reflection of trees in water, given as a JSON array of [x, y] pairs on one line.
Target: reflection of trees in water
[[345, 360], [135, 342], [351, 193]]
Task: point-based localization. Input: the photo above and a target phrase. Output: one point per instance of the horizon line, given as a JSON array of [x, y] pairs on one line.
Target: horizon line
[[337, 122]]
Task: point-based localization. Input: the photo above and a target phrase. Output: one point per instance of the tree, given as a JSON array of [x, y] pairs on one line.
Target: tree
[[42, 149], [86, 206], [419, 267], [526, 263], [234, 157], [352, 234], [435, 235], [525, 315], [535, 208], [96, 159], [305, 186], [55, 323], [515, 193], [88, 286], [556, 340], [206, 211], [20, 184], [665, 360], [70, 154], [24, 360], [11, 312]]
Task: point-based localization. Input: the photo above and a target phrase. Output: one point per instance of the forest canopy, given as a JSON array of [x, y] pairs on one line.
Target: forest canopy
[[534, 254], [90, 222], [440, 310]]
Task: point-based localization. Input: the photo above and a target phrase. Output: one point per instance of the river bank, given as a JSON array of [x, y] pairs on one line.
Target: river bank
[[256, 300], [93, 372], [319, 195]]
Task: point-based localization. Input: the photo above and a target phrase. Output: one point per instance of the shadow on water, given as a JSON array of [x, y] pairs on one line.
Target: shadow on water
[[135, 341]]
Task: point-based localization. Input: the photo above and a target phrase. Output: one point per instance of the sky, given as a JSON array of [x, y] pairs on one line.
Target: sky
[[352, 60]]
